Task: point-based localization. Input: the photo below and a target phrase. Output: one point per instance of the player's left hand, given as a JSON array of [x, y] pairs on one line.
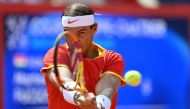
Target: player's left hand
[[87, 102]]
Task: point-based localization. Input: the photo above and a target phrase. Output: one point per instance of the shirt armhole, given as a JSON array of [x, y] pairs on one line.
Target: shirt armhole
[[123, 81], [44, 69]]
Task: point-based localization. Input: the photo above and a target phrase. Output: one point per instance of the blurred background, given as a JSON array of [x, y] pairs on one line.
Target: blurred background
[[152, 36]]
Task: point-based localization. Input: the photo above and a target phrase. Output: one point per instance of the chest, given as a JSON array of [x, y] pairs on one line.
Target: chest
[[93, 68]]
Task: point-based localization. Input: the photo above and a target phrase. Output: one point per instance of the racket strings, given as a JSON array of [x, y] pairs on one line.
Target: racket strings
[[78, 69]]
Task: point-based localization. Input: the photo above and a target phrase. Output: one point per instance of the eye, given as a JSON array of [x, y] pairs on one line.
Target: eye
[[81, 32], [65, 29]]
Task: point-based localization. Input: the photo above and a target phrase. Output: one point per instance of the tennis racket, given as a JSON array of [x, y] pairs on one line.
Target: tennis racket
[[76, 63]]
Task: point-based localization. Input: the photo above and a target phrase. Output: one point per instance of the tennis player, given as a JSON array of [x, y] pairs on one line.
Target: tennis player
[[102, 68]]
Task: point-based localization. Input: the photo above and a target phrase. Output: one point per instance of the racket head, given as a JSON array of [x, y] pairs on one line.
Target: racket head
[[77, 63], [57, 43]]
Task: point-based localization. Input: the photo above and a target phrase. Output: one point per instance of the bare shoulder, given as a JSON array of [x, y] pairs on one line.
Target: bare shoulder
[[110, 77]]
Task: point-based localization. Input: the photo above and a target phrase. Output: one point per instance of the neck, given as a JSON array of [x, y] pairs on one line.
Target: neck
[[91, 52]]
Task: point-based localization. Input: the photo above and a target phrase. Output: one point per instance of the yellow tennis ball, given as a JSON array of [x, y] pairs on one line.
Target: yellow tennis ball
[[133, 78]]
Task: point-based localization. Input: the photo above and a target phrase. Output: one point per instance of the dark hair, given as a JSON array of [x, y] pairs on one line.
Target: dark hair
[[77, 9]]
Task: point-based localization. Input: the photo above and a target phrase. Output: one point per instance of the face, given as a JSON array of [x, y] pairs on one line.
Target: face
[[84, 35]]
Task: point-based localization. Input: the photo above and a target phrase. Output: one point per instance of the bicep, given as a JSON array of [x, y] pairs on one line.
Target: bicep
[[108, 85]]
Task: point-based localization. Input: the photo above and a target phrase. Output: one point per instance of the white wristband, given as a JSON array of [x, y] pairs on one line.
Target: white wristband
[[104, 101], [69, 95]]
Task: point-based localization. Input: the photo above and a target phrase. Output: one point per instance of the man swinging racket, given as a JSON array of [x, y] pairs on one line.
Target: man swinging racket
[[102, 69]]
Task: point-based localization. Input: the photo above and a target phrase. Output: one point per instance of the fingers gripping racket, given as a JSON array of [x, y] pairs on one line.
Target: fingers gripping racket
[[76, 63]]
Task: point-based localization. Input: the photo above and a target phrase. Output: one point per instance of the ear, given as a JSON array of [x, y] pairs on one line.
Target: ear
[[94, 28]]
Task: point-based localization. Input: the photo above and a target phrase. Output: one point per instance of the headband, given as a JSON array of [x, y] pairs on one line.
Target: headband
[[77, 21]]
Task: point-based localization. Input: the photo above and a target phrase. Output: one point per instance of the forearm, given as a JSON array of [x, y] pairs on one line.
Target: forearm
[[106, 89], [64, 75], [108, 85], [66, 84]]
